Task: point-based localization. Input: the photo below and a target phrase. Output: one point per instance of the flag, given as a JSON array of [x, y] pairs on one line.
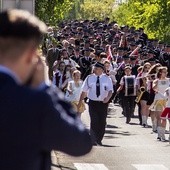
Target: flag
[[110, 56], [135, 52]]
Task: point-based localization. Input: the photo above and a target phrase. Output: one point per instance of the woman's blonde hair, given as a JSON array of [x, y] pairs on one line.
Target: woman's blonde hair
[[75, 72], [160, 69]]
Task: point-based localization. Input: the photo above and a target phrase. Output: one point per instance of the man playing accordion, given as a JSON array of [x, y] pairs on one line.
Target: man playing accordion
[[128, 88]]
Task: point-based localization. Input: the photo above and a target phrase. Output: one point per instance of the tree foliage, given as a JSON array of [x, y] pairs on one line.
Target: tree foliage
[[152, 15], [52, 11], [98, 9]]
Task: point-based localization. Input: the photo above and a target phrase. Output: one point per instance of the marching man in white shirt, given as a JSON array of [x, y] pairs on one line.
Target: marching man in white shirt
[[99, 89]]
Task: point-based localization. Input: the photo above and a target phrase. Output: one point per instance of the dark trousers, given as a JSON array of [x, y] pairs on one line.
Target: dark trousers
[[98, 115], [128, 106]]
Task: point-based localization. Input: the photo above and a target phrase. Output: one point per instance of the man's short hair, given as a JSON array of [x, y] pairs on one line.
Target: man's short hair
[[20, 24], [18, 29]]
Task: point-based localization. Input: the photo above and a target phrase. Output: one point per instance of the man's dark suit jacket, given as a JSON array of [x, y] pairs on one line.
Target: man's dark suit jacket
[[31, 125], [85, 67]]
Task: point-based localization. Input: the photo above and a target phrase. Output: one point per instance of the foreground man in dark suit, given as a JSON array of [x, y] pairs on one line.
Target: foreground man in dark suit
[[32, 123]]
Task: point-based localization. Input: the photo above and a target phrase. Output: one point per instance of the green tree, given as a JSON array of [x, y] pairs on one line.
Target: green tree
[[52, 11], [152, 15], [75, 12], [98, 9]]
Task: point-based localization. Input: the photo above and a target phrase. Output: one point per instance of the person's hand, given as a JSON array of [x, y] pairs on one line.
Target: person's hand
[[79, 105], [70, 92], [106, 100], [156, 91], [167, 92], [140, 45], [39, 74]]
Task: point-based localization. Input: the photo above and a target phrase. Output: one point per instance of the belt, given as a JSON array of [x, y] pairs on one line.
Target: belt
[[95, 101]]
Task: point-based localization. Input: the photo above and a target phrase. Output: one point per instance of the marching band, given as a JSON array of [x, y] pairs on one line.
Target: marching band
[[136, 66]]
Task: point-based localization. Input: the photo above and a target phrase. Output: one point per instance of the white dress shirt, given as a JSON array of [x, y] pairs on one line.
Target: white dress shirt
[[89, 86]]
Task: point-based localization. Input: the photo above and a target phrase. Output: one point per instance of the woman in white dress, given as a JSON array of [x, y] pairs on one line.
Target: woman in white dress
[[74, 89], [159, 86]]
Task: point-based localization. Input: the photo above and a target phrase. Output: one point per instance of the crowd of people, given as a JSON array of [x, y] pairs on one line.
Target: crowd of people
[[99, 62], [90, 61]]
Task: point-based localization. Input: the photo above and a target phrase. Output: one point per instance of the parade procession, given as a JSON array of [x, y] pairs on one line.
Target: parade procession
[[82, 93], [137, 69]]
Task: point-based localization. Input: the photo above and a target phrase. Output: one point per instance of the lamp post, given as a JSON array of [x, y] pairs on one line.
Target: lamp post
[[0, 5], [18, 4]]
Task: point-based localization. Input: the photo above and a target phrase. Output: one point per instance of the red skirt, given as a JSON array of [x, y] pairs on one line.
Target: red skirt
[[166, 113]]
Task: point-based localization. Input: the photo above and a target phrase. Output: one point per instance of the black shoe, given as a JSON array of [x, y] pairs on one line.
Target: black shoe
[[155, 131], [123, 113], [133, 116], [144, 125], [158, 138], [99, 143], [128, 120], [95, 144]]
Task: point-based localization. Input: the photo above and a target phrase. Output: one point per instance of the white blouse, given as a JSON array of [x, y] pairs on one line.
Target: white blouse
[[76, 90], [162, 85]]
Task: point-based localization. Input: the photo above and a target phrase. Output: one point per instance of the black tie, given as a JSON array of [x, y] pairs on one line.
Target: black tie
[[98, 87]]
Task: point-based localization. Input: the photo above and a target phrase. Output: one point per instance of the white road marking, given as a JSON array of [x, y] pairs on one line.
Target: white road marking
[[150, 167], [87, 166]]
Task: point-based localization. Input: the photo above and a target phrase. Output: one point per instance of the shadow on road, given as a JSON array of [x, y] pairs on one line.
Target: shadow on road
[[124, 133], [134, 123], [110, 137], [111, 126], [109, 146], [63, 167], [168, 145]]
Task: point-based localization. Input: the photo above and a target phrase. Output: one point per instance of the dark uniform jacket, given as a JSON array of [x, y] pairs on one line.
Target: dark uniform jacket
[[85, 67], [32, 123], [53, 54], [135, 69], [76, 59]]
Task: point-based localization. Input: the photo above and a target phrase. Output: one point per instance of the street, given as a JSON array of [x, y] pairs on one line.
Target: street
[[91, 50], [125, 147]]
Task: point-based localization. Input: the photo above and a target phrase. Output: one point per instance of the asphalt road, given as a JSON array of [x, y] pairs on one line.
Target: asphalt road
[[125, 147]]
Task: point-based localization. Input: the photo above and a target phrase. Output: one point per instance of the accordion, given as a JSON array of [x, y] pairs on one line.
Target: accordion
[[130, 86]]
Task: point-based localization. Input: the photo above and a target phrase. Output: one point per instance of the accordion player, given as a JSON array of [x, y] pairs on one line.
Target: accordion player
[[130, 85]]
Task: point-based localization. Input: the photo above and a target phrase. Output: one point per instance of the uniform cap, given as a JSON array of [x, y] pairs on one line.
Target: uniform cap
[[99, 65], [152, 60], [132, 58], [125, 56], [132, 44]]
